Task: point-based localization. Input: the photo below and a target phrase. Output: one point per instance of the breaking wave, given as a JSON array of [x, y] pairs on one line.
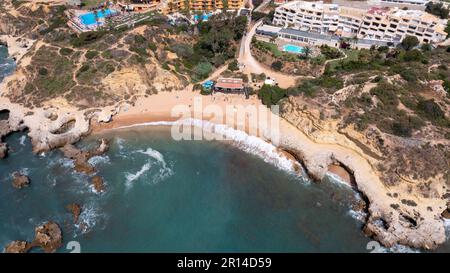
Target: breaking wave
[[89, 218], [240, 139], [22, 140], [97, 160], [130, 177]]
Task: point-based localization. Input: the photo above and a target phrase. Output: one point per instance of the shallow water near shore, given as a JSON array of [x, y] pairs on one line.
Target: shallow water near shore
[[7, 64], [164, 195]]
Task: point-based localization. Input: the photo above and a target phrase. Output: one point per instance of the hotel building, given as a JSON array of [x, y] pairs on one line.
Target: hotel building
[[384, 24], [202, 5]]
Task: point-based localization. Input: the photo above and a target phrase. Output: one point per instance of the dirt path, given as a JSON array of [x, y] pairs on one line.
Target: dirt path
[[251, 65]]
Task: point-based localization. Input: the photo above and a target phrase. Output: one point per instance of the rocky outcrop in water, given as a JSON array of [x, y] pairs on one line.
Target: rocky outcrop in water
[[97, 182], [3, 150], [81, 158], [75, 209], [47, 236], [20, 180], [17, 247]]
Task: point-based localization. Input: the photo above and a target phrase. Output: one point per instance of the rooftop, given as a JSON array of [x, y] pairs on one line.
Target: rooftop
[[230, 83]]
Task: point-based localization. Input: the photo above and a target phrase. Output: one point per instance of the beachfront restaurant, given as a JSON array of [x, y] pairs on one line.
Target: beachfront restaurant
[[229, 85]]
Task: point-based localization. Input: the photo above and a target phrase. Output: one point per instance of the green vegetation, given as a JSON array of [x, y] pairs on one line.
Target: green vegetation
[[87, 38], [233, 66], [409, 42], [91, 54], [329, 84], [271, 95], [438, 9], [217, 43], [57, 20], [266, 46], [277, 65], [65, 51], [330, 52]]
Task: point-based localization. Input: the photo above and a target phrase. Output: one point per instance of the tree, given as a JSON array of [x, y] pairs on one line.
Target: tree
[[437, 9], [306, 51], [409, 42], [233, 66], [270, 95], [277, 65]]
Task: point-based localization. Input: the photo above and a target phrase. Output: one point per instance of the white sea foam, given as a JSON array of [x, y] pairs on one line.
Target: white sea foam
[[240, 139], [22, 140], [88, 219], [66, 162], [358, 215], [120, 142], [447, 225], [130, 177], [24, 171], [165, 171], [399, 249], [97, 160], [336, 179]]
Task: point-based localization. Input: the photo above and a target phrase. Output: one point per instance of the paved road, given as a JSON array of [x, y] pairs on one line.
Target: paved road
[[263, 4]]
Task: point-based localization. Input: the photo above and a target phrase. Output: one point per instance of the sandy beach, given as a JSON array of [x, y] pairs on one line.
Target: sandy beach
[[319, 156]]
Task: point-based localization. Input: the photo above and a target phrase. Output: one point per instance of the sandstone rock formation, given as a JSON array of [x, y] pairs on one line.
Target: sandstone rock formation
[[407, 213], [17, 247], [3, 150], [47, 236], [75, 209], [81, 157], [98, 183], [20, 180]]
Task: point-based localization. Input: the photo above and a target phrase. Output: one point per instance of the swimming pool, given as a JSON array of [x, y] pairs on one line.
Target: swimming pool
[[204, 17], [293, 49], [89, 18]]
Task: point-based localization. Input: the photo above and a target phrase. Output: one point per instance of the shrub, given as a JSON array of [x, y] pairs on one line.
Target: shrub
[[330, 52], [408, 75], [91, 54], [271, 95], [65, 51], [233, 66], [409, 42], [431, 110], [277, 65], [413, 55], [43, 71], [86, 38], [202, 70], [84, 68]]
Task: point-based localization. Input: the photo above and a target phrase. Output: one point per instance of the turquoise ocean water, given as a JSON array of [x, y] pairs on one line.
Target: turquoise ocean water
[[165, 196]]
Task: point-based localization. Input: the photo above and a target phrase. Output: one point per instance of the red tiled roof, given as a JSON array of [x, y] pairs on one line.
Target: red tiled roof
[[229, 83]]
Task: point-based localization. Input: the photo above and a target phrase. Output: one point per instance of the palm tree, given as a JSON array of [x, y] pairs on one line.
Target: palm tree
[[306, 51]]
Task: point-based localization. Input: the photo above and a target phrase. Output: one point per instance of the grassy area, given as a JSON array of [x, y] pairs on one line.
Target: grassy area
[[91, 3], [352, 55], [273, 48]]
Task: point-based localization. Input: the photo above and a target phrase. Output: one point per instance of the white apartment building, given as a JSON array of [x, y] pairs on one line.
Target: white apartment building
[[385, 24], [409, 2]]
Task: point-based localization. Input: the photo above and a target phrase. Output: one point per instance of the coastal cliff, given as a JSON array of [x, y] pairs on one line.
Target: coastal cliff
[[63, 86], [400, 209]]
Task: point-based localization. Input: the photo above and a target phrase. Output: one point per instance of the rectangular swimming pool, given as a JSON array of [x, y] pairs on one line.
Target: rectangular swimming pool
[[89, 18], [204, 16], [293, 49]]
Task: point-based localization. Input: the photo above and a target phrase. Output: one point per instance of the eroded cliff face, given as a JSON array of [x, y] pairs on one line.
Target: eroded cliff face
[[405, 202], [62, 81]]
